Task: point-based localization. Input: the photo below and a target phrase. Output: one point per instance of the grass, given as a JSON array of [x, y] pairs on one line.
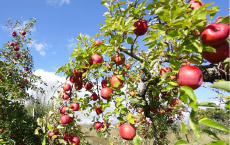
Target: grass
[[92, 137]]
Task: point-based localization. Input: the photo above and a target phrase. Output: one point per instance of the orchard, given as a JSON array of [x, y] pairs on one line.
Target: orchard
[[142, 74]]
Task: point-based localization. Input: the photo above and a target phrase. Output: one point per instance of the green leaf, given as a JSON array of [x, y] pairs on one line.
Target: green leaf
[[36, 131], [128, 116], [188, 91], [168, 88], [136, 141], [184, 128], [227, 105], [129, 40], [44, 141], [120, 119], [219, 142], [227, 60], [223, 85], [197, 45], [210, 123], [121, 77], [194, 125], [209, 49], [207, 104], [181, 142], [210, 133], [49, 127]]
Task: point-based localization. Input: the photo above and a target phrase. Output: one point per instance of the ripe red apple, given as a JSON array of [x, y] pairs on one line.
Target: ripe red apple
[[14, 34], [26, 68], [119, 58], [74, 106], [141, 27], [190, 76], [169, 109], [52, 133], [96, 59], [62, 109], [105, 93], [16, 48], [66, 87], [72, 78], [76, 140], [195, 4], [116, 82], [94, 97], [104, 83], [222, 52], [98, 42], [215, 34], [88, 85], [11, 44], [127, 66], [98, 125], [98, 110], [25, 80], [23, 32], [67, 137], [127, 131], [17, 54], [154, 110], [164, 70], [170, 121], [65, 119], [78, 73], [78, 86], [24, 56], [174, 102], [65, 96], [1, 130]]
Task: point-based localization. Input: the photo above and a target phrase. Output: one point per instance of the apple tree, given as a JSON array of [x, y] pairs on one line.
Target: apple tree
[[143, 73], [16, 78]]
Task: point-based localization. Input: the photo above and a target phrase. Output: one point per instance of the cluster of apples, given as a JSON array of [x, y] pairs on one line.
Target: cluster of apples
[[215, 35]]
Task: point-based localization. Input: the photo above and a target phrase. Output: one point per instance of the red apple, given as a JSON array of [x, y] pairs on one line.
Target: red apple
[[174, 102], [72, 78], [11, 44], [23, 32], [65, 96], [78, 86], [88, 85], [127, 66], [52, 133], [222, 52], [78, 73], [127, 131], [98, 42], [24, 56], [1, 130], [25, 80], [67, 137], [26, 68], [99, 110], [94, 97], [17, 54], [96, 59], [105, 93], [141, 27], [104, 83], [74, 106], [195, 4], [76, 140], [190, 76], [62, 109], [66, 87], [170, 121], [16, 48], [98, 125], [116, 82], [119, 58], [164, 70], [169, 109], [65, 119], [215, 34], [14, 34]]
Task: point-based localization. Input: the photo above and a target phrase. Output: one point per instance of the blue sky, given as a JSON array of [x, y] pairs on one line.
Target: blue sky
[[58, 24]]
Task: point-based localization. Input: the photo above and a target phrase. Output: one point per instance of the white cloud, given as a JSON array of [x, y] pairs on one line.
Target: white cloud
[[71, 44], [40, 47], [58, 2]]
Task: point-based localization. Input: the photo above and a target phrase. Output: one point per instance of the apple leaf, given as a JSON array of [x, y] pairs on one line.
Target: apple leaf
[[36, 131], [194, 125], [218, 142], [227, 60], [121, 77], [49, 127], [168, 88], [181, 142], [44, 140], [223, 85], [210, 123], [209, 49], [225, 20], [197, 45], [116, 84], [207, 104], [129, 40], [136, 141], [184, 128], [188, 91], [227, 105], [209, 132], [120, 119]]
